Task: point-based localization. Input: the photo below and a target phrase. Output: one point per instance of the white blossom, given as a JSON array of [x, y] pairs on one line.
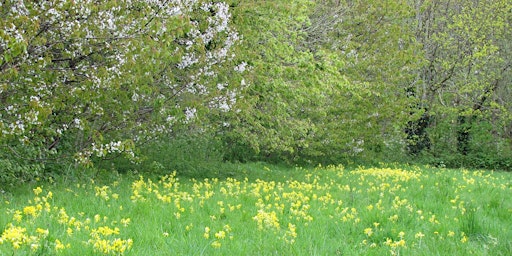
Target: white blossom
[[241, 67], [190, 113], [88, 55]]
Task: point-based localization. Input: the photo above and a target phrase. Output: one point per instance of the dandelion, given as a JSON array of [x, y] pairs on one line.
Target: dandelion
[[451, 233]]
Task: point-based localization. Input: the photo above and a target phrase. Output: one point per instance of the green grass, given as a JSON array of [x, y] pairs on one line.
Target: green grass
[[265, 210]]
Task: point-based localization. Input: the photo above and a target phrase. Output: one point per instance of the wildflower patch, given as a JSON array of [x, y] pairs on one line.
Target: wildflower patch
[[325, 210]]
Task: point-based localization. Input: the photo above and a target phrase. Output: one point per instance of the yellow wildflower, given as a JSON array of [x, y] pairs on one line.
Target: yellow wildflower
[[216, 244], [43, 232], [17, 216], [220, 235], [206, 232], [30, 211], [125, 222], [58, 245], [419, 235], [37, 190], [368, 231], [15, 235], [464, 238], [34, 246], [63, 216]]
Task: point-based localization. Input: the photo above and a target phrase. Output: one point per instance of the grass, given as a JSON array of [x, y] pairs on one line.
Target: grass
[[265, 210]]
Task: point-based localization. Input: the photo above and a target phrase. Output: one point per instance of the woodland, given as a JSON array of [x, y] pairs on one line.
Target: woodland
[[187, 84]]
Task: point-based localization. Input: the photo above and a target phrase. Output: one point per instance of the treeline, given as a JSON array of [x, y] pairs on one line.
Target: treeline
[[181, 85], [426, 81]]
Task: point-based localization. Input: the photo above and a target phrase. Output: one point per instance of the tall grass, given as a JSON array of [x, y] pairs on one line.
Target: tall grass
[[266, 210]]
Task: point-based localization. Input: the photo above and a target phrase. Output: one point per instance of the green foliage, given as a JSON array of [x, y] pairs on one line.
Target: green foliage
[[190, 153], [307, 99], [483, 150], [13, 172], [80, 80], [466, 73], [273, 119], [295, 82]]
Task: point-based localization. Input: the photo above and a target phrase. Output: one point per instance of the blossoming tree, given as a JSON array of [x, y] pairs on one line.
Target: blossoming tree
[[85, 78]]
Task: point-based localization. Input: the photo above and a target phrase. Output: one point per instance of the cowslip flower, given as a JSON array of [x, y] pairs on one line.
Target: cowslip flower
[[42, 232], [59, 246], [30, 211], [37, 190], [216, 244], [206, 234], [125, 222], [220, 235], [15, 235], [464, 238], [419, 235]]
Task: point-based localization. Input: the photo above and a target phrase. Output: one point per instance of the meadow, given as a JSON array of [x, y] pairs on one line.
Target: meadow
[[265, 210]]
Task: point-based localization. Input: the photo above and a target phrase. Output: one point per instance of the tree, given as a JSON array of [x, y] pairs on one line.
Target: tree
[[467, 68], [82, 79], [323, 78], [377, 53], [272, 119]]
